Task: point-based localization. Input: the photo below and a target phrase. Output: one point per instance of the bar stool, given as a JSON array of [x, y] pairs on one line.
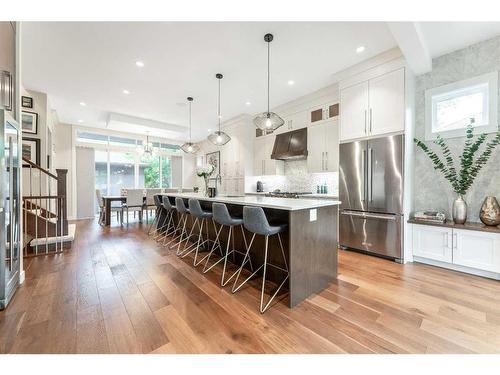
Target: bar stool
[[168, 225], [201, 217], [158, 214], [221, 216], [182, 215], [255, 221]]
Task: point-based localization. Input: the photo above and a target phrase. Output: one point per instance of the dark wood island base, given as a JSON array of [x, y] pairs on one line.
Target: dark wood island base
[[310, 244]]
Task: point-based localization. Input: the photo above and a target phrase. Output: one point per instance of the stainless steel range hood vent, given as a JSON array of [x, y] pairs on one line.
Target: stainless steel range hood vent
[[291, 145]]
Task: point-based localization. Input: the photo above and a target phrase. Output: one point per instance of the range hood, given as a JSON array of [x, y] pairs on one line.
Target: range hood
[[291, 145]]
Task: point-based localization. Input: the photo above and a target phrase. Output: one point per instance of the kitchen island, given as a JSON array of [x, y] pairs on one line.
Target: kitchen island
[[310, 241]]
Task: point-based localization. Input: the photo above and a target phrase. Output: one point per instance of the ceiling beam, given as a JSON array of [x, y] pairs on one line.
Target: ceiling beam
[[411, 42]]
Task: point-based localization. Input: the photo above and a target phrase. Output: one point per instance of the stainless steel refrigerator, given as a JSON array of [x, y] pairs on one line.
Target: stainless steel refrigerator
[[371, 192]]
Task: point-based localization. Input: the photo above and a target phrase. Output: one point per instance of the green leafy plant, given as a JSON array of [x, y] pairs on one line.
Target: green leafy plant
[[470, 165]]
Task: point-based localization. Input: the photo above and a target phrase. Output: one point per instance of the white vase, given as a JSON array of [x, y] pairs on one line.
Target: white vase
[[459, 212]]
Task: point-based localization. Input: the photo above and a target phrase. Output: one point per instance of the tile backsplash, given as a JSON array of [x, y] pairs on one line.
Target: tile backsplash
[[296, 179]]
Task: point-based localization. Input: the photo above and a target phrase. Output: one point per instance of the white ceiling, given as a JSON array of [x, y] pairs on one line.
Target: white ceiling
[[445, 37], [94, 62]]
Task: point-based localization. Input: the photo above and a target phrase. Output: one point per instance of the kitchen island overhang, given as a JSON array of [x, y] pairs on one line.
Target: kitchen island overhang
[[310, 241]]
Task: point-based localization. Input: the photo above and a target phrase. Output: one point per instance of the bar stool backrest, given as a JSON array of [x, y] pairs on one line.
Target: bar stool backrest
[[195, 207], [135, 197], [157, 200], [180, 206], [166, 203], [221, 214], [255, 220], [150, 193], [98, 195]]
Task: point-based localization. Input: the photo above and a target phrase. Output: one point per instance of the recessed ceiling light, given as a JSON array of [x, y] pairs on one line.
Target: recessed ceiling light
[[209, 130], [126, 92], [248, 104], [139, 63], [360, 49], [80, 121], [291, 83], [83, 104]]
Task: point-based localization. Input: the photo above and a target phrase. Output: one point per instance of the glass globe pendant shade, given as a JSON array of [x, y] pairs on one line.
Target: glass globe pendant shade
[[268, 121], [219, 138], [190, 148]]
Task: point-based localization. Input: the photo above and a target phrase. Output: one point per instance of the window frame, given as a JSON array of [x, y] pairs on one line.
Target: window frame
[[491, 79]]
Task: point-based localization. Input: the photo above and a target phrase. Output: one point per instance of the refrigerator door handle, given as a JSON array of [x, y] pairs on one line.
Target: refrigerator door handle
[[363, 171], [370, 174], [369, 215]]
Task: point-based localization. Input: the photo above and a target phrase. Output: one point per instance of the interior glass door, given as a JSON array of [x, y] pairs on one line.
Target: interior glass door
[[10, 214]]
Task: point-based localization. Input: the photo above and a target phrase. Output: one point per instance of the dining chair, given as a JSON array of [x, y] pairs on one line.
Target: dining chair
[[134, 201], [150, 205], [102, 209]]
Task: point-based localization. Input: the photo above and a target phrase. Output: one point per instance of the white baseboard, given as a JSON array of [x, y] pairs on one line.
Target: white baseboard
[[22, 277], [456, 267]]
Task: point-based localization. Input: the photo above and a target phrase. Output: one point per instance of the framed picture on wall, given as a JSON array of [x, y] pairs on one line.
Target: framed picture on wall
[[213, 158], [29, 122], [26, 102], [31, 149]]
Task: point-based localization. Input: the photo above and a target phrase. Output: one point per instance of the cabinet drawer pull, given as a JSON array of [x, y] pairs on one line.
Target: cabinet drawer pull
[[371, 120], [365, 121]]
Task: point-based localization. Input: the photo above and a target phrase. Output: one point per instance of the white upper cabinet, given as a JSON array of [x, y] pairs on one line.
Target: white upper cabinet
[[387, 104], [354, 111], [323, 147], [263, 164], [373, 107], [294, 121]]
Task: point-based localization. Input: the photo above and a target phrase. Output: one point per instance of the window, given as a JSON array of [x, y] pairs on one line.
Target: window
[[121, 172], [166, 171], [101, 171], [123, 142], [449, 108], [149, 171], [86, 137]]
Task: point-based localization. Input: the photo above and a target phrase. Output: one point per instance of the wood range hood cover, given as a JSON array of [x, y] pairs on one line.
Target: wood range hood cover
[[291, 145]]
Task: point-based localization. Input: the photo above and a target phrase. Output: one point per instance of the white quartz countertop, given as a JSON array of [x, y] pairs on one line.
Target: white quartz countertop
[[288, 204], [304, 196]]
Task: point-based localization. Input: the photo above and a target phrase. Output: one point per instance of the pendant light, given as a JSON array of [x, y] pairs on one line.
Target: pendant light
[[219, 138], [148, 149], [190, 147], [268, 121]]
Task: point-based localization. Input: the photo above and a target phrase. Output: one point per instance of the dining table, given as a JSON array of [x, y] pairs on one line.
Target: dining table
[[108, 201]]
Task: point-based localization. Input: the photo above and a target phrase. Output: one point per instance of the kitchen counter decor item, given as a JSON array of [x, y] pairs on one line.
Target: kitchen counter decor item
[[470, 166], [490, 212], [206, 171]]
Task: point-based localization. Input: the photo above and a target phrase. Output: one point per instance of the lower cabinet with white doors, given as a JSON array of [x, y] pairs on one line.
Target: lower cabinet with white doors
[[466, 250]]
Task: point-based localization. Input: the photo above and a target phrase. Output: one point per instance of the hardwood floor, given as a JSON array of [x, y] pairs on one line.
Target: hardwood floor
[[117, 291]]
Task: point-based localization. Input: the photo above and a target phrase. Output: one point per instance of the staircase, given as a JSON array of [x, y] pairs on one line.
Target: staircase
[[46, 229]]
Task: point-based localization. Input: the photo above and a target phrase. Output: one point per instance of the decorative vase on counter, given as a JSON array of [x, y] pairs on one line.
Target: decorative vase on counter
[[490, 212], [205, 178], [459, 212]]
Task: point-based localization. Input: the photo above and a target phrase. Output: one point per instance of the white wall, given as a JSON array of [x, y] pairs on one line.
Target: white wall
[[63, 158]]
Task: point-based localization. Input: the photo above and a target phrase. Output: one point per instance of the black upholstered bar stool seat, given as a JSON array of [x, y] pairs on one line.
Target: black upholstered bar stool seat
[[154, 228], [222, 217], [255, 221], [201, 217]]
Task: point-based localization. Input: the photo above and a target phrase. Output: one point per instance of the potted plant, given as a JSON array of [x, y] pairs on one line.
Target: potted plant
[[205, 171], [461, 180]]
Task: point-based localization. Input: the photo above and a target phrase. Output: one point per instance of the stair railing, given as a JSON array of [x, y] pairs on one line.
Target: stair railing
[[44, 213]]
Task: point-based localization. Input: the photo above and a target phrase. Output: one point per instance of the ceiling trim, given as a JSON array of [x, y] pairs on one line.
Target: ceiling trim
[[411, 42]]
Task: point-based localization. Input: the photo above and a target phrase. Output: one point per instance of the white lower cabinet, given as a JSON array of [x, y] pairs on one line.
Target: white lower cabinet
[[432, 243], [476, 249], [473, 249]]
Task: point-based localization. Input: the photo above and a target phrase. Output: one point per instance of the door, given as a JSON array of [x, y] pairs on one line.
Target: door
[[480, 250], [353, 111], [387, 106], [385, 174], [315, 148], [7, 66], [432, 242], [375, 233], [10, 212], [331, 146], [352, 176]]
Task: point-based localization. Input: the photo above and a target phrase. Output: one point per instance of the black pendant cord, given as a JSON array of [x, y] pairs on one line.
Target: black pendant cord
[[189, 122], [218, 106], [268, 75]]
